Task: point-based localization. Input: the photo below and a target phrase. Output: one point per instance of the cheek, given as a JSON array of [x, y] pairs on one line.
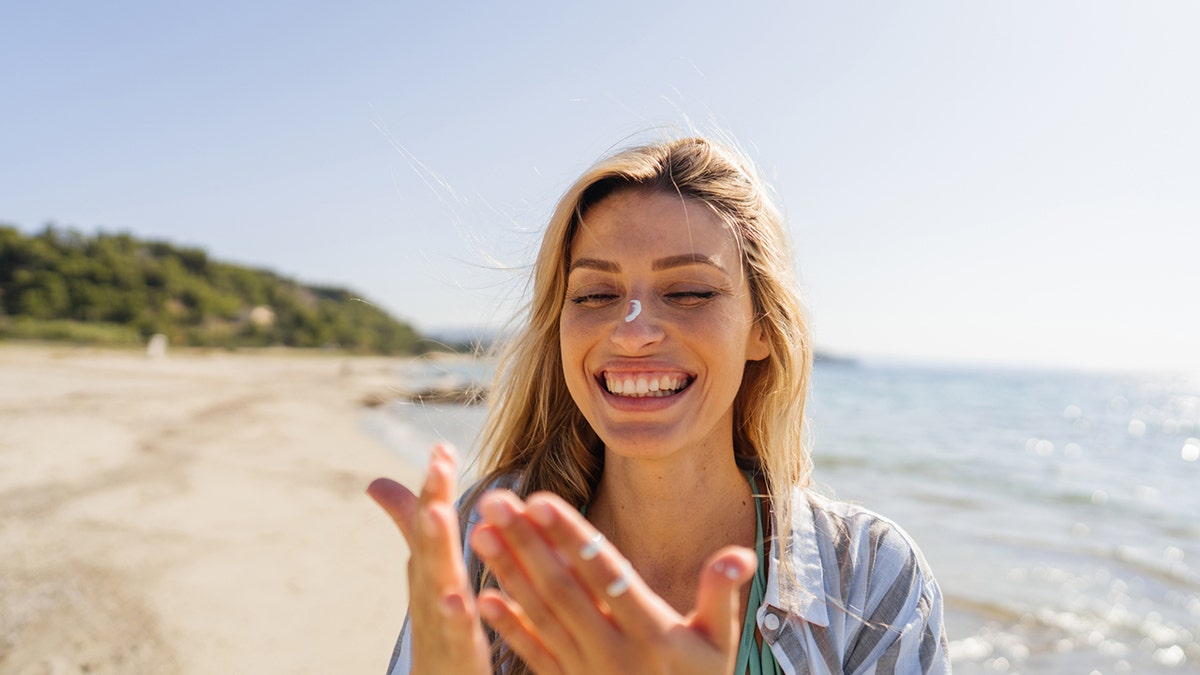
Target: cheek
[[574, 339], [725, 325], [579, 327], [730, 339], [570, 332]]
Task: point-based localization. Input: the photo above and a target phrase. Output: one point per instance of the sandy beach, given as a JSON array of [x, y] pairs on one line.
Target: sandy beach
[[199, 513]]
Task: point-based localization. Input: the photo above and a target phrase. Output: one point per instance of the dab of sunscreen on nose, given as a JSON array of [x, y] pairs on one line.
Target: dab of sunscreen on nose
[[635, 308]]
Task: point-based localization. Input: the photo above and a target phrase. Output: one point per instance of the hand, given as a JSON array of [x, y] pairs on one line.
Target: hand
[[447, 635], [572, 605]]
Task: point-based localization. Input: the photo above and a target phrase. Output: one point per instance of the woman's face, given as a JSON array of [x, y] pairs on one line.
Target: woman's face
[[662, 379]]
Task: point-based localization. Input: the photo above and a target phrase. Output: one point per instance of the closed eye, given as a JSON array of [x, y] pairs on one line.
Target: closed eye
[[594, 299], [691, 298]]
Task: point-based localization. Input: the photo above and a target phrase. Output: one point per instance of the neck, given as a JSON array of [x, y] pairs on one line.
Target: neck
[[668, 517]]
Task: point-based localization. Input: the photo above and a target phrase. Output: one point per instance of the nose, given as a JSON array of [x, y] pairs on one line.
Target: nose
[[632, 335]]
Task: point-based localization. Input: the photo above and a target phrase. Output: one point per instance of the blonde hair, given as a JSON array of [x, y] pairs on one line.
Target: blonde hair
[[536, 439]]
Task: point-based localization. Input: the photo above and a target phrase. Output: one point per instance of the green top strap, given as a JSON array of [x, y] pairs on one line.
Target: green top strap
[[751, 659]]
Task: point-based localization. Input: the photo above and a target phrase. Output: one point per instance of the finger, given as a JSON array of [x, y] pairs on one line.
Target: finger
[[559, 609], [437, 524], [446, 632], [440, 481], [432, 535], [441, 549], [514, 627], [635, 608], [398, 501], [401, 504], [718, 600]]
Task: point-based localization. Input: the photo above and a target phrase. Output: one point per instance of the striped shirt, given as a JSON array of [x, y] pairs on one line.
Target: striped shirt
[[860, 599], [863, 601]]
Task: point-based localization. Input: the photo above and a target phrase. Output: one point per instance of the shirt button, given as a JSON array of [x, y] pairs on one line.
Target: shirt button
[[771, 622]]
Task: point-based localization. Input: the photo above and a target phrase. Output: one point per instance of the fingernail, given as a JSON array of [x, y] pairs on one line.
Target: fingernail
[[732, 572], [498, 511], [489, 612], [436, 468], [542, 514], [486, 544]]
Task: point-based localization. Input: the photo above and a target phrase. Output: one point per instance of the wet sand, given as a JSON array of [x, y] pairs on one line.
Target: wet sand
[[199, 513]]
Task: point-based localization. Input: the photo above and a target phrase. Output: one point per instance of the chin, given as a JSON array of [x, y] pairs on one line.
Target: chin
[[646, 444]]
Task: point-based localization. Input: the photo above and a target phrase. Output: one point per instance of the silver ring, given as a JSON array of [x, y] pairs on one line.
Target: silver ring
[[592, 548], [621, 584]]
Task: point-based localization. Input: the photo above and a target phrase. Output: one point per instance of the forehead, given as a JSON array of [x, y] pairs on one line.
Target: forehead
[[638, 225]]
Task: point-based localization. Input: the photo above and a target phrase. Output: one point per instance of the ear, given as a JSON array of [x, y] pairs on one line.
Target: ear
[[757, 347]]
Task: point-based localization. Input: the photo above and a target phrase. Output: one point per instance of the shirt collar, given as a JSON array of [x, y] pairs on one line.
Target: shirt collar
[[803, 596]]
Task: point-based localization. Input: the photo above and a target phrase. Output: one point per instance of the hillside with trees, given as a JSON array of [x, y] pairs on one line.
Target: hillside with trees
[[60, 284]]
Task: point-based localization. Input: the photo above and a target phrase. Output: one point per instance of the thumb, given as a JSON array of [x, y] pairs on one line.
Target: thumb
[[398, 501], [718, 599]]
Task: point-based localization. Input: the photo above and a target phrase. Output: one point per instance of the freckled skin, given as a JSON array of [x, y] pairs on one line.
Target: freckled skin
[[695, 318]]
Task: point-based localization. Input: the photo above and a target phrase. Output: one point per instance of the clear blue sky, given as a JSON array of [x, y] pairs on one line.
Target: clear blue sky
[[1002, 183]]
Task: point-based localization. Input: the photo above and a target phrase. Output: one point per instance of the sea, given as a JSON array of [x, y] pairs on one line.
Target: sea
[[1060, 511]]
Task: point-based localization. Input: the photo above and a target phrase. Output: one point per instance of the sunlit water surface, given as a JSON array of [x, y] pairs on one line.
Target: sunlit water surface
[[1058, 510]]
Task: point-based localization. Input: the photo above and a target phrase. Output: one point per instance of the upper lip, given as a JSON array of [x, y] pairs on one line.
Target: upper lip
[[643, 367]]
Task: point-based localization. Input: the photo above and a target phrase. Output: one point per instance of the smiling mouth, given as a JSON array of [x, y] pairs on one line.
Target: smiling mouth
[[645, 385]]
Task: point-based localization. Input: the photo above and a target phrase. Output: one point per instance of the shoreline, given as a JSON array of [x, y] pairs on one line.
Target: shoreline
[[198, 513]]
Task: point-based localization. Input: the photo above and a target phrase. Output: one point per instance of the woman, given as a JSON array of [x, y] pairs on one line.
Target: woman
[[643, 506]]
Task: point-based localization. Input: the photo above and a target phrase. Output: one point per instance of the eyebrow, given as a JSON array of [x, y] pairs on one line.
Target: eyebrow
[[667, 263]]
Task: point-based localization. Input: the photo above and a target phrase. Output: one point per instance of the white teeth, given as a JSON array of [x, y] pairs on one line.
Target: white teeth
[[655, 387]]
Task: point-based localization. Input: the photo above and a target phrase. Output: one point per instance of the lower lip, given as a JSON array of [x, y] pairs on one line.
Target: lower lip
[[642, 403]]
